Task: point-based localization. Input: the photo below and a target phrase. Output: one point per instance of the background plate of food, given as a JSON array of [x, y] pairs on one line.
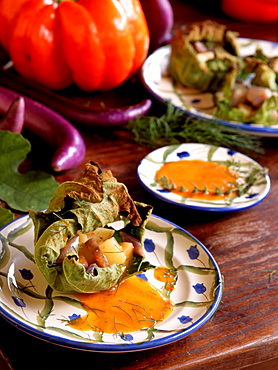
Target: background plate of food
[[204, 177], [185, 282], [243, 96]]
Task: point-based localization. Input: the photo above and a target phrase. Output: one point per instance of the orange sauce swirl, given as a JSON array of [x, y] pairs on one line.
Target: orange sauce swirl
[[132, 305], [214, 181]]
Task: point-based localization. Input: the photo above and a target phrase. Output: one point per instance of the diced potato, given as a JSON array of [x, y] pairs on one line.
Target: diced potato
[[82, 237], [246, 109], [113, 251], [128, 251], [101, 234], [257, 95], [204, 57], [239, 95]]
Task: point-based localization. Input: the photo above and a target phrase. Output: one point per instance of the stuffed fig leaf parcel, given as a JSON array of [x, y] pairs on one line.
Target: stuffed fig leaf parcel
[[76, 248], [205, 56]]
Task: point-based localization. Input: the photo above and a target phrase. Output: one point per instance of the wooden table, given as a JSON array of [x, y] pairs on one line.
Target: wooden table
[[244, 331]]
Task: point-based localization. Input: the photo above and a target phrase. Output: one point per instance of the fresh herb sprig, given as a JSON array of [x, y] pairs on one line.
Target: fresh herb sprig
[[171, 186], [173, 127]]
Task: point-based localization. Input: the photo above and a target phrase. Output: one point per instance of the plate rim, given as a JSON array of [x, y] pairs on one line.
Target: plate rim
[[224, 209], [265, 131], [129, 347]]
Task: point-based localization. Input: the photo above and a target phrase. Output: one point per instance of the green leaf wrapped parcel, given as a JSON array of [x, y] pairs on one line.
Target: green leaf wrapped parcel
[[94, 199], [205, 56]]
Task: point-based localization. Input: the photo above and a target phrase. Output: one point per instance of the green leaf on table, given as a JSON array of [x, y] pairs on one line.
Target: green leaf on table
[[6, 216], [22, 191]]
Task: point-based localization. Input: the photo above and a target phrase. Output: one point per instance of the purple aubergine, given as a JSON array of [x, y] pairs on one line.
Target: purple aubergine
[[53, 128], [160, 19], [13, 120], [71, 110]]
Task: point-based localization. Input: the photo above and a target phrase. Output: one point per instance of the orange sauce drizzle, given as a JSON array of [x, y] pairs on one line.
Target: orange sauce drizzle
[[166, 276], [206, 176], [133, 305]]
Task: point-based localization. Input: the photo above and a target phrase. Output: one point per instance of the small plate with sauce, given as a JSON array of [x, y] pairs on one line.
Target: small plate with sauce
[[204, 177], [162, 305]]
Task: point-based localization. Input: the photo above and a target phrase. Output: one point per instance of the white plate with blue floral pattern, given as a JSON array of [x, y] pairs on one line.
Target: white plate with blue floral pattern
[[158, 82], [27, 302], [251, 193]]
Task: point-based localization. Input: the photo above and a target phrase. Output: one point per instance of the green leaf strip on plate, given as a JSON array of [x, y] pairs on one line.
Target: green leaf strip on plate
[[193, 304], [47, 309], [5, 252]]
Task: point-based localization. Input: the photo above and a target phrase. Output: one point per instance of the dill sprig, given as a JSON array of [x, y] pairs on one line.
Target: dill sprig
[[173, 127], [253, 176]]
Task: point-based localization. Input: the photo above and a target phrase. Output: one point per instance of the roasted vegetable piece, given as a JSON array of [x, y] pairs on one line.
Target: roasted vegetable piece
[[253, 98], [205, 56], [258, 105], [95, 44], [93, 200], [263, 73]]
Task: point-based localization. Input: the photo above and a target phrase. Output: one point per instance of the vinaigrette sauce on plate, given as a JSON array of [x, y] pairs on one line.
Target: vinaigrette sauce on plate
[[199, 179], [132, 305]]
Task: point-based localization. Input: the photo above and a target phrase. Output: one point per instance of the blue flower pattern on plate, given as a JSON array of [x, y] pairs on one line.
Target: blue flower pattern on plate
[[193, 252], [163, 191], [26, 274], [250, 196], [183, 154], [195, 101], [184, 319], [126, 337], [199, 288], [142, 276], [18, 301], [149, 245], [73, 317]]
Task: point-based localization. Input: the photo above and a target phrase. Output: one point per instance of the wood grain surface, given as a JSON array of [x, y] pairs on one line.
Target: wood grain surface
[[244, 331]]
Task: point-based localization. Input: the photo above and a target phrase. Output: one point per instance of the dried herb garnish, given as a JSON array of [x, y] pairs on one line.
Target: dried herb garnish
[[173, 127]]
